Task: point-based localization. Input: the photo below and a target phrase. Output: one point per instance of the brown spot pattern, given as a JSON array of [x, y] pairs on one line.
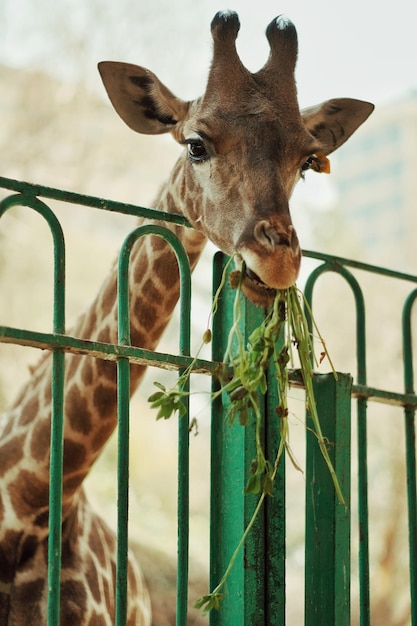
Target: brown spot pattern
[[158, 243], [87, 372], [28, 549], [102, 435], [166, 269], [10, 453], [138, 338], [28, 595], [28, 493], [73, 603], [140, 269], [106, 369], [8, 551], [78, 413], [105, 335], [71, 483], [105, 399], [42, 518], [74, 456], [150, 290]]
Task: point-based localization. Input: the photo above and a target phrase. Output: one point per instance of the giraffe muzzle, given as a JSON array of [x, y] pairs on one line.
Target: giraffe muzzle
[[272, 257]]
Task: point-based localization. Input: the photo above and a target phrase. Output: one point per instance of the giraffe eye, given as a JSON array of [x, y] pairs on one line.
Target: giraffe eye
[[197, 151]]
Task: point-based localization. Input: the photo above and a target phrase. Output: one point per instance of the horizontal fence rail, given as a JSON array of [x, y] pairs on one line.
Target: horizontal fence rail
[[256, 588]]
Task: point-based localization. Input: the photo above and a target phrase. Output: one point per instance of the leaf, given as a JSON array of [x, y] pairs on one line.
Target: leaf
[[160, 386], [165, 411], [155, 398], [238, 393], [209, 602], [254, 484], [263, 385], [181, 408]]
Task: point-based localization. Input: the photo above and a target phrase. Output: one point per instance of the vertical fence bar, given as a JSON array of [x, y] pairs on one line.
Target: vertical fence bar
[[327, 551], [123, 417], [55, 489], [123, 412], [410, 450], [57, 427], [183, 497], [232, 449], [363, 514], [275, 518], [123, 421]]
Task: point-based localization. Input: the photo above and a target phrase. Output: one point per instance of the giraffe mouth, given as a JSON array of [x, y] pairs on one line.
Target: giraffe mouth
[[256, 290]]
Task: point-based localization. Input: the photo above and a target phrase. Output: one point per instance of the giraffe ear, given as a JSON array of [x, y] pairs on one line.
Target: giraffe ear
[[334, 121], [141, 100]]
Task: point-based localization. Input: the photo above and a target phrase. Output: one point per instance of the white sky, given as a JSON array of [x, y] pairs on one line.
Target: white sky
[[361, 48]]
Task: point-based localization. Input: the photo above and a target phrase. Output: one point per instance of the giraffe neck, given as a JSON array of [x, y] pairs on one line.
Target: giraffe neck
[[90, 384]]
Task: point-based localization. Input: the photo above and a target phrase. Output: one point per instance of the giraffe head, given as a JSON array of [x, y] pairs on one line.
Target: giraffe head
[[247, 144]]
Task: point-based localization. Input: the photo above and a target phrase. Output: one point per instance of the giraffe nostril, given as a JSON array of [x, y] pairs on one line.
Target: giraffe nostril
[[284, 239], [269, 236]]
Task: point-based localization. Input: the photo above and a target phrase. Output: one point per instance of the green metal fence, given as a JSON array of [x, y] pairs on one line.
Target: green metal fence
[[256, 589]]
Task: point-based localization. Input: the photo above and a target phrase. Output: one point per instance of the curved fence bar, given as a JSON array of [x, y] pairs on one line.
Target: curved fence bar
[[360, 310], [57, 412], [123, 419], [407, 343], [59, 250], [410, 448], [336, 266]]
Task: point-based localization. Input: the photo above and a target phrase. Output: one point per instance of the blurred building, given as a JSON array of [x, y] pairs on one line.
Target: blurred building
[[376, 179]]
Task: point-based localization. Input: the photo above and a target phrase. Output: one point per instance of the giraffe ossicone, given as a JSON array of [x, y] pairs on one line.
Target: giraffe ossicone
[[246, 144]]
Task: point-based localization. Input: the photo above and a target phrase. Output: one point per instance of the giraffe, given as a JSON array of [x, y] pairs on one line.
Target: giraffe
[[246, 145]]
